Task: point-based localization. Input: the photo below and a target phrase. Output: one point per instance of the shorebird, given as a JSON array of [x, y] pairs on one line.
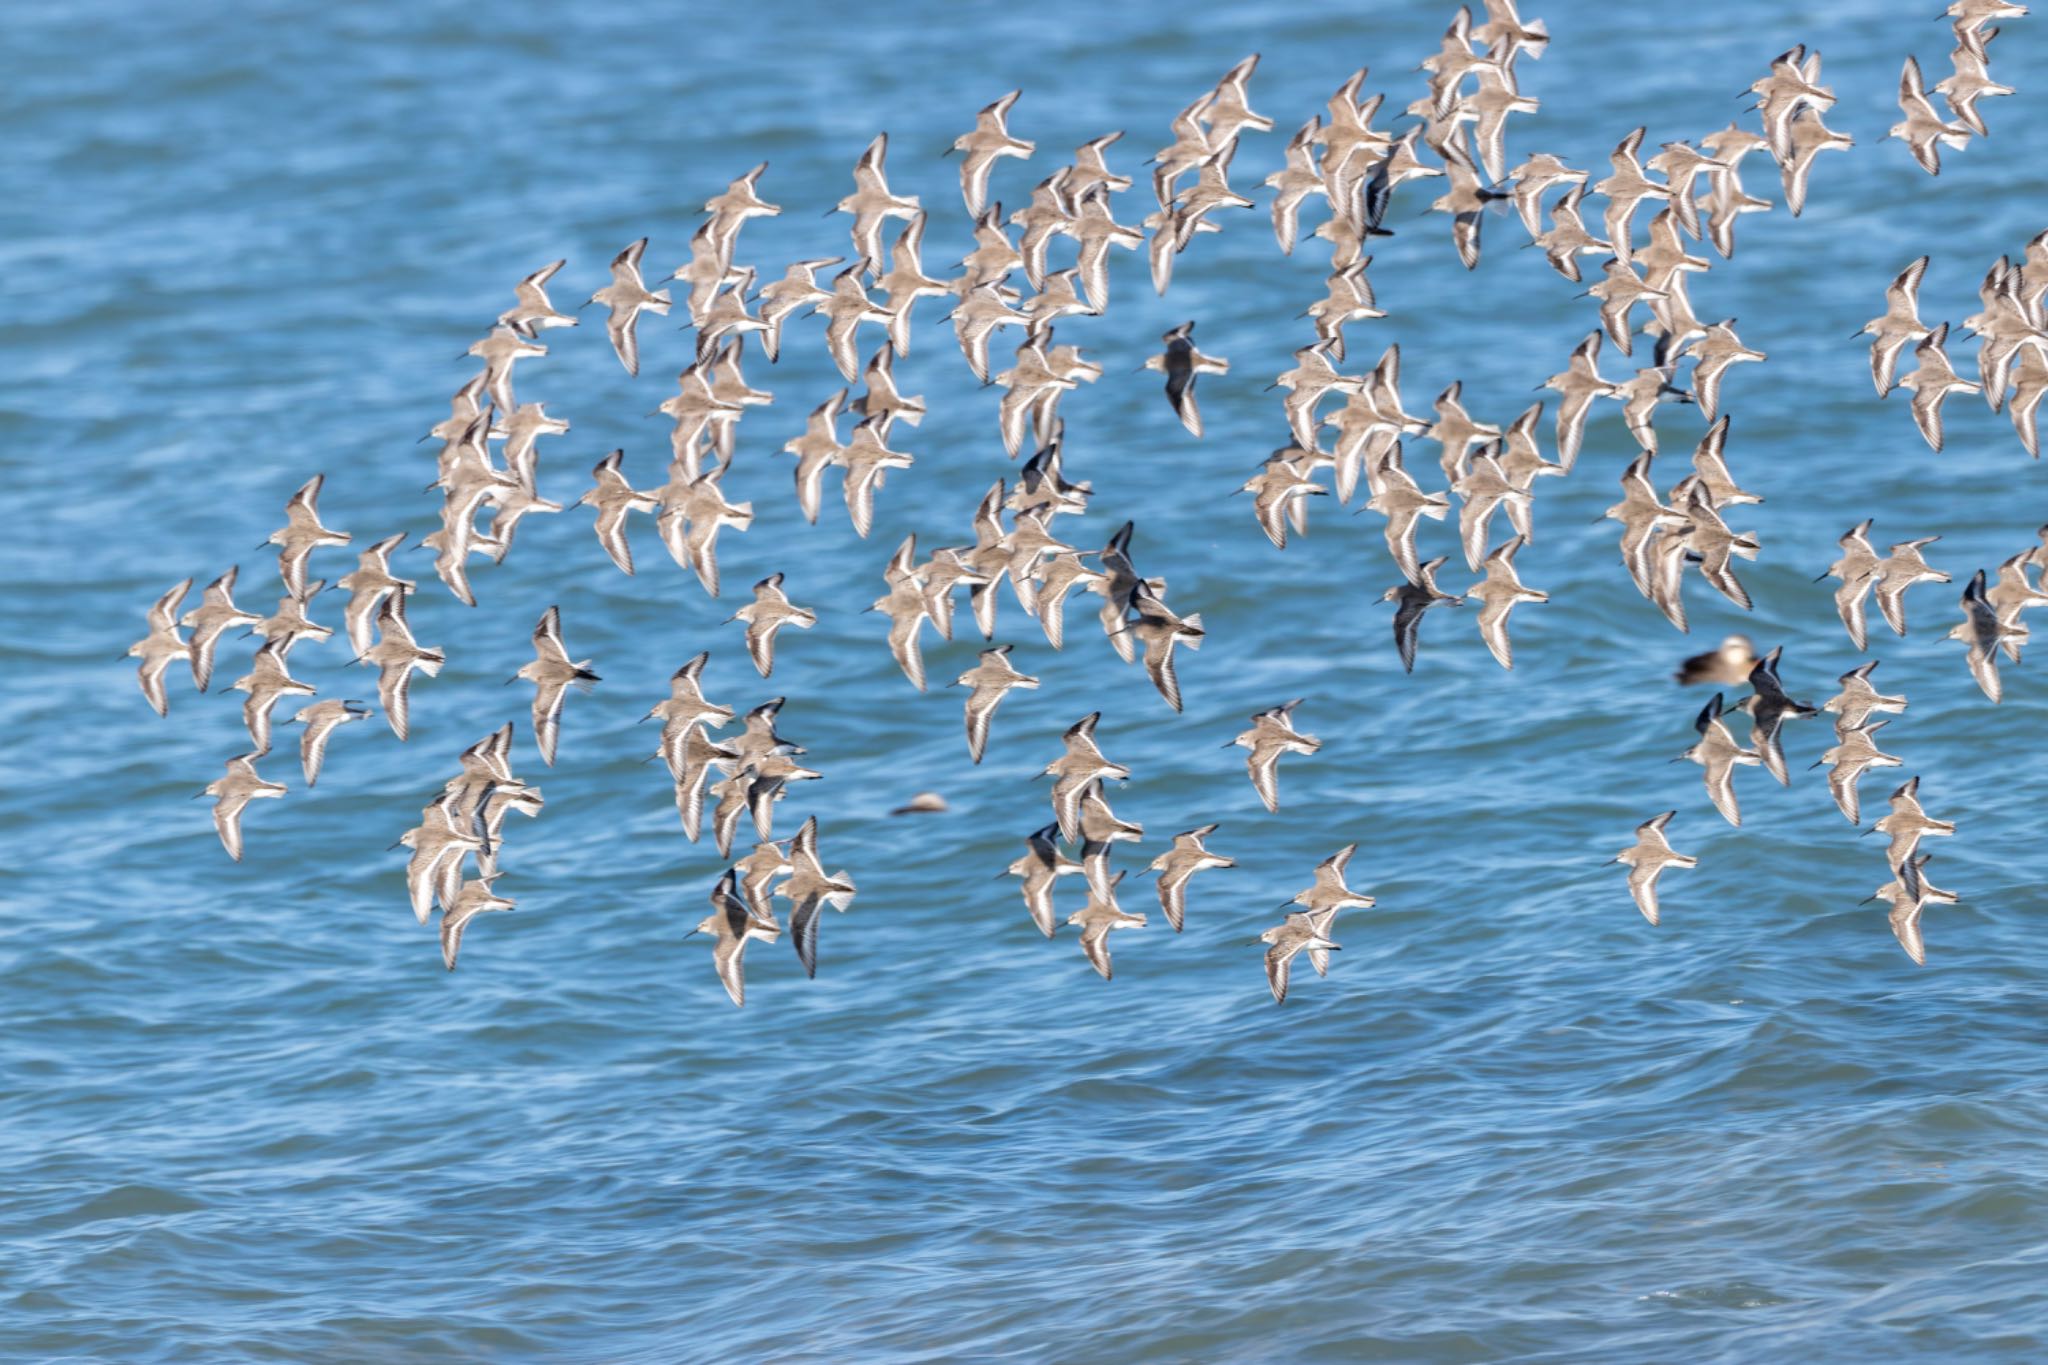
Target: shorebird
[[1899, 324], [1534, 178], [1624, 189], [234, 791], [1326, 898], [1181, 363], [1577, 386], [1909, 895], [321, 719], [1971, 80], [1455, 430], [1397, 497], [1275, 489], [1647, 859], [989, 140], [301, 534], [1178, 865], [1465, 200], [780, 300], [817, 448], [1620, 290], [844, 310], [1089, 169], [1681, 165], [475, 898], [1726, 200], [1096, 230], [1859, 699], [692, 757], [1933, 380], [1769, 707], [1791, 88], [1717, 752], [1710, 466], [627, 296], [1809, 138], [1498, 595], [1098, 918], [1480, 490], [980, 311], [1073, 771], [1568, 238], [1900, 570], [1859, 569], [866, 458], [990, 680], [1854, 753], [732, 926], [1063, 574], [1416, 596], [881, 402], [1158, 630], [2030, 384], [2010, 596], [551, 673], [1985, 635], [1102, 829], [1285, 942], [1729, 663], [1294, 182], [768, 613], [904, 604], [1347, 297], [213, 617], [1041, 867], [396, 656], [1713, 354], [871, 202], [533, 313], [1970, 16], [809, 891], [446, 835], [500, 351], [1923, 131], [1715, 544], [614, 499], [741, 200], [686, 706], [267, 681], [1907, 824], [1272, 734]]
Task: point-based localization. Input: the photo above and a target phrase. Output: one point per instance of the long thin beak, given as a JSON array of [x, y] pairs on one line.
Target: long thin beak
[[1817, 763], [513, 679], [1828, 574], [1868, 832], [1866, 900]]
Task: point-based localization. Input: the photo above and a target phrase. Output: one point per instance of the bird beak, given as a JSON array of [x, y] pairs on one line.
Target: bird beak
[[513, 679]]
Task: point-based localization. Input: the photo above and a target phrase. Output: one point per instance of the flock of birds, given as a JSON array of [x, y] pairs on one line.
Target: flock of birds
[[1351, 425]]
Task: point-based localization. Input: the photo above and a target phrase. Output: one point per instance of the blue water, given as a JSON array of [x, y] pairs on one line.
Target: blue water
[[247, 1114]]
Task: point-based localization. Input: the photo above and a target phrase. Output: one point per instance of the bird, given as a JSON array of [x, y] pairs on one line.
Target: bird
[[500, 350], [1769, 707], [1577, 386], [1909, 895], [809, 890], [1072, 772], [1098, 919], [475, 898], [1907, 824], [989, 140], [552, 673], [1932, 381], [301, 534], [1647, 859], [1271, 735], [1717, 752], [161, 647], [1498, 594], [1859, 699], [267, 682], [1712, 355], [989, 680], [214, 616], [231, 793], [1181, 363], [1923, 131], [1809, 137], [628, 296], [1177, 867], [367, 586], [1901, 569], [1985, 635], [732, 926], [1854, 753], [1730, 662], [1040, 867], [922, 803], [1899, 324], [780, 300], [871, 202], [1327, 897], [768, 613], [740, 201], [1285, 941], [397, 656], [1416, 596], [1158, 630], [615, 499], [532, 313], [1858, 569], [321, 719]]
